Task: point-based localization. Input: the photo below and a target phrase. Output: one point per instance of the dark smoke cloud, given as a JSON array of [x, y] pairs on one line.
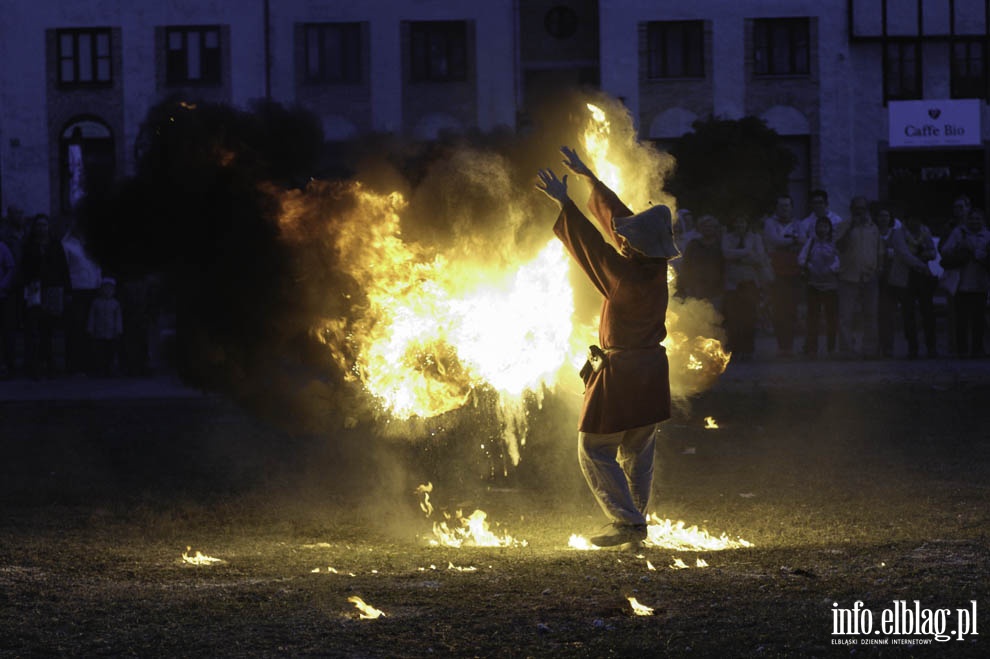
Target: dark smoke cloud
[[206, 211]]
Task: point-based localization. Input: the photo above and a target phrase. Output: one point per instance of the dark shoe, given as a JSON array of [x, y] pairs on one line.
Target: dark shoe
[[620, 534]]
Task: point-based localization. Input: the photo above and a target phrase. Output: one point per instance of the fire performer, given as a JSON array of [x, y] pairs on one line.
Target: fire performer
[[627, 380]]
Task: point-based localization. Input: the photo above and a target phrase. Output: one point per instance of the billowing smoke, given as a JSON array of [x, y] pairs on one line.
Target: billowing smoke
[[297, 314]]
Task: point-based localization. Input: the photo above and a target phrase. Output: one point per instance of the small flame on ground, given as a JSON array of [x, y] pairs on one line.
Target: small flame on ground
[[649, 566], [710, 423], [640, 609], [672, 535], [457, 568], [199, 559], [471, 531], [677, 535], [678, 564], [581, 543], [365, 611], [458, 531], [701, 563]]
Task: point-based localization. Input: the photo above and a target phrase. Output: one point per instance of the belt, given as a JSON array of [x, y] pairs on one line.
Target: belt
[[609, 351]]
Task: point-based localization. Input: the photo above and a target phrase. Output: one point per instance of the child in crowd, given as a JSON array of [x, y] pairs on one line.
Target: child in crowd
[[819, 260], [105, 327]]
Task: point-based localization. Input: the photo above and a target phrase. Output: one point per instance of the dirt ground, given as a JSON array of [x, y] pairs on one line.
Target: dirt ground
[[863, 482]]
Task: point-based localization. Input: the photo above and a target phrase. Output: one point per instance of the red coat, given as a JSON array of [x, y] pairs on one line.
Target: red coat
[[633, 389]]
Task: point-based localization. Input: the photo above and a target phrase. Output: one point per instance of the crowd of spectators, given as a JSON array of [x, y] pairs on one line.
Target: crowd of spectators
[[59, 310], [854, 281], [857, 281]]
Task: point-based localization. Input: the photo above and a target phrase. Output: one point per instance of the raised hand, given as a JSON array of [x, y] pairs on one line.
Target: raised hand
[[574, 163], [551, 186]]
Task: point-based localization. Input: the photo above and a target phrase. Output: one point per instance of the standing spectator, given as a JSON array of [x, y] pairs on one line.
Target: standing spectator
[[965, 258], [820, 260], [819, 208], [684, 232], [702, 266], [913, 282], [860, 257], [46, 276], [961, 206], [105, 326], [887, 294], [745, 261], [84, 277], [12, 233], [8, 277], [783, 236]]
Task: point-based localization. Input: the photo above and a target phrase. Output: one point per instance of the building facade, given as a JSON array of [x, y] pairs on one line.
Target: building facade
[[884, 98]]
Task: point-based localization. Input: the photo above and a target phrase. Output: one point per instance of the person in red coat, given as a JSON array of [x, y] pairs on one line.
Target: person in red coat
[[627, 388]]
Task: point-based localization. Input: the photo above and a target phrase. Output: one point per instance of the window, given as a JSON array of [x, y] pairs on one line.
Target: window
[[781, 46], [192, 55], [439, 51], [968, 69], [902, 70], [561, 22], [333, 52], [84, 57], [676, 49]]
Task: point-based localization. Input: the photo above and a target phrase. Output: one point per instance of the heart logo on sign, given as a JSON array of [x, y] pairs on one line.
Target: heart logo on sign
[[934, 113]]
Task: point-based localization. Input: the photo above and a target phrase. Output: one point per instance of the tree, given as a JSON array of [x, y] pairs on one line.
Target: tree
[[728, 167], [202, 213]]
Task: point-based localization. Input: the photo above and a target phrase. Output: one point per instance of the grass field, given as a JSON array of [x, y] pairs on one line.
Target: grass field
[[850, 489]]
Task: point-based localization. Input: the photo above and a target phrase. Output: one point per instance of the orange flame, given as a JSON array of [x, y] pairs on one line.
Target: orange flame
[[365, 611], [458, 531], [199, 558], [679, 536], [422, 329], [673, 535], [639, 609], [431, 329]]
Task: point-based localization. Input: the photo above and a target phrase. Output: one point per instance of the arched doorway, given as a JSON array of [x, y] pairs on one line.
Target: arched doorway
[[87, 159]]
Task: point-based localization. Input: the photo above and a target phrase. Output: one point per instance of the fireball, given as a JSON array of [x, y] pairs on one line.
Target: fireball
[[424, 329]]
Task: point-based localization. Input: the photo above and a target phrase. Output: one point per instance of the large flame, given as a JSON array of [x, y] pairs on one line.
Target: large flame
[[423, 329], [430, 330]]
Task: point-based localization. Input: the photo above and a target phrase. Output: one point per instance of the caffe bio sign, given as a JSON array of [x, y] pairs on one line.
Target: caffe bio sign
[[935, 123]]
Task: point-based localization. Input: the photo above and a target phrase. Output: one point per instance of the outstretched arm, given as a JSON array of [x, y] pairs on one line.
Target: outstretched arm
[[574, 163], [553, 187]]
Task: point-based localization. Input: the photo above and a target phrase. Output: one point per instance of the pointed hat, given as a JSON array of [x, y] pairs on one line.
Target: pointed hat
[[649, 232]]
